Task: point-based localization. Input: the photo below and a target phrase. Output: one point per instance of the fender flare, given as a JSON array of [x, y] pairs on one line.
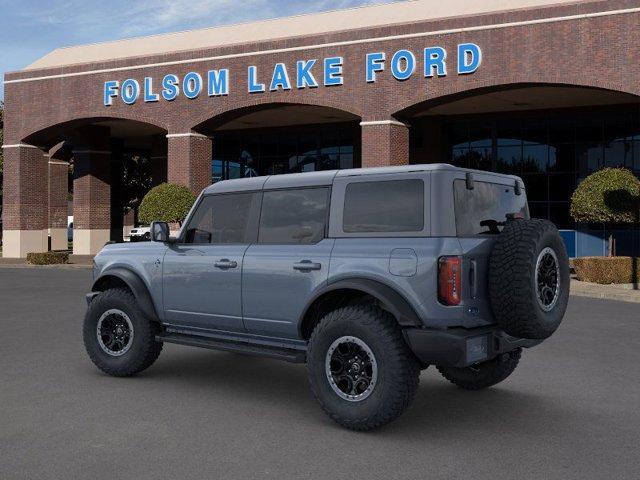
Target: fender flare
[[135, 284], [395, 303]]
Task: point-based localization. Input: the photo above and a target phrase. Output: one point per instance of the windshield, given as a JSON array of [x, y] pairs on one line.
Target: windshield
[[484, 209]]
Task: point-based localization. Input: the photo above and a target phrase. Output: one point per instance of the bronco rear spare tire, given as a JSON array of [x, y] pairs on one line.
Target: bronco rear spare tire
[[529, 279]]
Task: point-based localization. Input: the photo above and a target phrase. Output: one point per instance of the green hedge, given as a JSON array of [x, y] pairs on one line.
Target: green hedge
[[607, 270], [610, 195], [48, 258], [167, 202]]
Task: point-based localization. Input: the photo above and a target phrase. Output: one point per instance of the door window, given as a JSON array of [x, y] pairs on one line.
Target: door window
[[224, 219], [294, 216]]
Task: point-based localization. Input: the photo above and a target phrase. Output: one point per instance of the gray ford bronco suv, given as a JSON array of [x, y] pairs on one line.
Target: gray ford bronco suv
[[366, 275]]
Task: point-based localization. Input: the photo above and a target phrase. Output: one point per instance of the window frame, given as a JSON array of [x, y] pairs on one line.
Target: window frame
[[325, 232], [254, 219], [336, 225]]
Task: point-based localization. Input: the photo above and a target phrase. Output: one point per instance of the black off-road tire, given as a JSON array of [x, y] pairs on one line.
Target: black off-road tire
[[398, 369], [144, 349], [512, 279], [484, 374]]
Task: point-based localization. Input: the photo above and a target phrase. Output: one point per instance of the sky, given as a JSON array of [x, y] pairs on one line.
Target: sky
[[30, 29]]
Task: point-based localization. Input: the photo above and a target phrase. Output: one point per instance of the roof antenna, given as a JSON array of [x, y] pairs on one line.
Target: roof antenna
[[469, 180]]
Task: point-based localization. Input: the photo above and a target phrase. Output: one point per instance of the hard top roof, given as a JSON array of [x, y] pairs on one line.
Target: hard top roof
[[325, 178]]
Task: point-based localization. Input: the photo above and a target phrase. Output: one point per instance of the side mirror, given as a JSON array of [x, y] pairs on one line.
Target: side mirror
[[160, 232]]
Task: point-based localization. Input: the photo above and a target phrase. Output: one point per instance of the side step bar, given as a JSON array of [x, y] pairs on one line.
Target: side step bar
[[286, 354]]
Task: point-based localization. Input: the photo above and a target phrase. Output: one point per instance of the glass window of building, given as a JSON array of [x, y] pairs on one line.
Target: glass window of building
[[249, 153], [551, 150]]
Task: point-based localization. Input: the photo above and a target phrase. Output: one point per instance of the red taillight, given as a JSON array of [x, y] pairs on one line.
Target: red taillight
[[449, 284]]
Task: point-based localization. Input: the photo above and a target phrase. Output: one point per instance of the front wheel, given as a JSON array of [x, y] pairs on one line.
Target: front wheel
[[483, 375], [118, 337], [360, 369]]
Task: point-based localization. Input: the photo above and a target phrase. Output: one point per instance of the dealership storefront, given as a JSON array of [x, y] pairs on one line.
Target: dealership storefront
[[547, 90]]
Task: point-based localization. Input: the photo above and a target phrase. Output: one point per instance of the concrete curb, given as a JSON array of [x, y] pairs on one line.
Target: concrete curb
[[621, 293], [67, 266]]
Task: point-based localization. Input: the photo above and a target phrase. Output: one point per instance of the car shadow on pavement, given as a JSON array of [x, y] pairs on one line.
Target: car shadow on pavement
[[438, 407], [502, 409]]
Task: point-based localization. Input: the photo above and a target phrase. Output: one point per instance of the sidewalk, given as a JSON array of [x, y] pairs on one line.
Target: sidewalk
[[75, 261], [622, 292]]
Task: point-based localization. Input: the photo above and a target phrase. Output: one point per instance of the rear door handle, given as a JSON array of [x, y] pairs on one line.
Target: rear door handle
[[307, 266], [225, 264]]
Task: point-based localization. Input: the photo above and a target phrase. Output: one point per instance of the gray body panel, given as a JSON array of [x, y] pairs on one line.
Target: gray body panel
[[144, 259], [197, 293], [264, 298], [275, 310]]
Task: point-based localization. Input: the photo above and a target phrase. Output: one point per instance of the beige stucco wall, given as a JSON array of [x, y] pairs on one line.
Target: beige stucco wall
[[17, 243], [89, 242]]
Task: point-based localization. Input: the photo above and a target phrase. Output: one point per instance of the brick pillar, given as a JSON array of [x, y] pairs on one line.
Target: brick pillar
[[384, 143], [91, 200], [25, 201], [91, 190], [158, 160], [189, 160], [58, 190], [117, 190]]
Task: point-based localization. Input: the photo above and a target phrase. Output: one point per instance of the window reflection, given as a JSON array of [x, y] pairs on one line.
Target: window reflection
[[256, 152], [551, 151]]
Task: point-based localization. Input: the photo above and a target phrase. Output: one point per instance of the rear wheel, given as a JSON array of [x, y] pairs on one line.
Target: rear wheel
[[483, 375], [360, 369], [118, 337]]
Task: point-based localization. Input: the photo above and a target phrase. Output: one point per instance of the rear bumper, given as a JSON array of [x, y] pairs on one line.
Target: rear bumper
[[460, 347]]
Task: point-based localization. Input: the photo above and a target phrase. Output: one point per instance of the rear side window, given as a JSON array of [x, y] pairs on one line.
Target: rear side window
[[484, 209], [294, 216], [221, 219], [386, 206]]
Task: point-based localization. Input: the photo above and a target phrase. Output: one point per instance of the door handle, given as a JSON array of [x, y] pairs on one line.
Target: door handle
[[306, 266], [225, 264]]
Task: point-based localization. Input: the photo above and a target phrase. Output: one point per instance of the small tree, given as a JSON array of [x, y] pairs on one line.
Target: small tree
[[136, 182], [611, 195], [167, 202]]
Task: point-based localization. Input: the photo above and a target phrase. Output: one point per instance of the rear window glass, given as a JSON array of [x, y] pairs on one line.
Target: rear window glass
[[484, 209], [389, 206]]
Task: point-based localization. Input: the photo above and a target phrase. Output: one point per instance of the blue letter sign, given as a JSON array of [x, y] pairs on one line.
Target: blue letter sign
[[469, 58], [402, 66]]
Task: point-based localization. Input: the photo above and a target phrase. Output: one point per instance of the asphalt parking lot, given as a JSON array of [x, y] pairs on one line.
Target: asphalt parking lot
[[571, 410]]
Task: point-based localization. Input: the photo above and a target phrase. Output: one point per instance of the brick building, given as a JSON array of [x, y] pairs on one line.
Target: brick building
[[546, 89]]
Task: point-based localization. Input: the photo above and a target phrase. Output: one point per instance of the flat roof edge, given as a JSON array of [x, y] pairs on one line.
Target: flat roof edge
[[83, 54]]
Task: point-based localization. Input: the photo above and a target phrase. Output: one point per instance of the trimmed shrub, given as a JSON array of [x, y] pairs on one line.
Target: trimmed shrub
[[167, 202], [48, 258], [607, 270], [610, 195]]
